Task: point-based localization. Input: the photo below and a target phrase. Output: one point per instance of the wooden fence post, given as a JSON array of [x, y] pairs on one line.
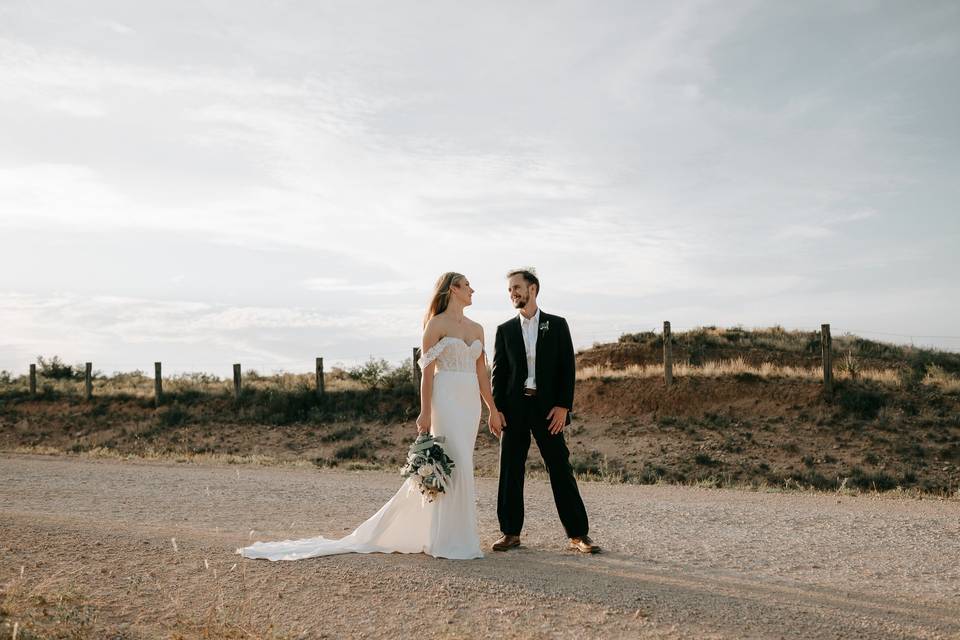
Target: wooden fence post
[[417, 373], [157, 384], [88, 380], [319, 375], [667, 354], [33, 379], [236, 381], [826, 344]]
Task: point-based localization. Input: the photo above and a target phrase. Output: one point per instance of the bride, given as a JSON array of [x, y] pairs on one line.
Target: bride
[[454, 380]]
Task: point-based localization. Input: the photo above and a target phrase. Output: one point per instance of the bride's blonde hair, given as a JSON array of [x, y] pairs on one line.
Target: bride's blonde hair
[[441, 294]]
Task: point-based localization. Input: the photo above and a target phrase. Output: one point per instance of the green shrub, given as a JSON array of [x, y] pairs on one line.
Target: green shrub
[[56, 369], [370, 373], [911, 376], [649, 338], [878, 481], [813, 479], [279, 406], [172, 416], [346, 433], [185, 396], [590, 463], [651, 473], [398, 377], [705, 459], [363, 450], [911, 450], [860, 402], [716, 421], [48, 392]]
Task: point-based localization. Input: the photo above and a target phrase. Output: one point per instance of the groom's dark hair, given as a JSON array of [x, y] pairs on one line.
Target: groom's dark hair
[[529, 275]]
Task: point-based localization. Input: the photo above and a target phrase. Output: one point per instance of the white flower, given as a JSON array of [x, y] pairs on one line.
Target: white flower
[[425, 470]]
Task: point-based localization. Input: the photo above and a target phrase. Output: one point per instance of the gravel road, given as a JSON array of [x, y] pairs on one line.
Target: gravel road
[[679, 562]]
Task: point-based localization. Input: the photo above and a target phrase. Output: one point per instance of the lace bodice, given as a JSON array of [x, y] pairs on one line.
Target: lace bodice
[[452, 354]]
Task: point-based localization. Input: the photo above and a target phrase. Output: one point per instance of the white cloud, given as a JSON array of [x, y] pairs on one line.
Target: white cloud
[[342, 284], [804, 232], [857, 216], [118, 27], [78, 107]]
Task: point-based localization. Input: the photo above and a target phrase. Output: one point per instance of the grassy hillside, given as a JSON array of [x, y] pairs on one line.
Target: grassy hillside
[[772, 346], [746, 408]]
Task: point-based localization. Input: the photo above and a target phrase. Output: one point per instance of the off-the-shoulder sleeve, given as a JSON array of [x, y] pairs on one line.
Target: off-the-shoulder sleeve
[[430, 354]]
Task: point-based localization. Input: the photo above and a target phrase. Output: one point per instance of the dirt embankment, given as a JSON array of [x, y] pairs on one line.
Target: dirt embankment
[[691, 397], [728, 430]]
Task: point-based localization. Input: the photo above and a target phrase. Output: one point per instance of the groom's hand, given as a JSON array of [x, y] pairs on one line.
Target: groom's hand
[[557, 418]]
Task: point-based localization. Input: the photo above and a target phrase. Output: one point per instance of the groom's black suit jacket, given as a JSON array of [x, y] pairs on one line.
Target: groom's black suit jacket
[[556, 367]]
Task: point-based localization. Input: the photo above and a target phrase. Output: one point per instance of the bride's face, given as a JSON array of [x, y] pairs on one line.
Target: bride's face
[[462, 291]]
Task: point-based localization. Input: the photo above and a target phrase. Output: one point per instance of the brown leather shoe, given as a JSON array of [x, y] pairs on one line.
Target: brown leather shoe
[[584, 544], [505, 542]]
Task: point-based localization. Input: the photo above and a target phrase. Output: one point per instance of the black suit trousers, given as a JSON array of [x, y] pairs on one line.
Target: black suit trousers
[[514, 445]]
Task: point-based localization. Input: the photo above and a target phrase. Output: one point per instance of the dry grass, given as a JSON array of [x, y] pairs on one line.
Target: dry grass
[[40, 607], [737, 366], [937, 377], [151, 453], [604, 471], [139, 385], [36, 606]]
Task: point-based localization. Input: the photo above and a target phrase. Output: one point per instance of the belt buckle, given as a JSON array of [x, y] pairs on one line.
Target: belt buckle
[[530, 393]]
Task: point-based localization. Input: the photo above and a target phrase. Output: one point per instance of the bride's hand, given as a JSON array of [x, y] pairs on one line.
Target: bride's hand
[[423, 423], [495, 420]]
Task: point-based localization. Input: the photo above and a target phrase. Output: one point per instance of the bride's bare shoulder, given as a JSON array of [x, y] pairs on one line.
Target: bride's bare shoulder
[[434, 329], [476, 329]]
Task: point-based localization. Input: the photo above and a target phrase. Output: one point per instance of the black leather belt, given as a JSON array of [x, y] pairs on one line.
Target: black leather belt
[[529, 392]]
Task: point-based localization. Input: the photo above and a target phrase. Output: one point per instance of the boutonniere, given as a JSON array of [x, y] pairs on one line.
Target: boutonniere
[[545, 326]]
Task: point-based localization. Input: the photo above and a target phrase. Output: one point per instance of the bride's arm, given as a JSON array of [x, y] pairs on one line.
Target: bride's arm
[[486, 392], [431, 335]]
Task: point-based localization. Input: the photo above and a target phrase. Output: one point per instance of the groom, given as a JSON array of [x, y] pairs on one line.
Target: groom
[[533, 377]]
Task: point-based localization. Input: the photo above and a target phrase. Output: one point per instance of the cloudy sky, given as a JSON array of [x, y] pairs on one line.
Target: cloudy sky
[[205, 183]]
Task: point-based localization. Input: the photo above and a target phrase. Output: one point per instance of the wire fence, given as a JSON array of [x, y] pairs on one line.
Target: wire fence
[[408, 358], [396, 357]]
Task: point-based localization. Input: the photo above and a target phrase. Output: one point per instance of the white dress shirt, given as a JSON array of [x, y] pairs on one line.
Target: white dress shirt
[[530, 330]]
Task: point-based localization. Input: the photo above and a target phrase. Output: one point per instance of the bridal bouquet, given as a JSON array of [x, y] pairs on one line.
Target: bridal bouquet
[[429, 465]]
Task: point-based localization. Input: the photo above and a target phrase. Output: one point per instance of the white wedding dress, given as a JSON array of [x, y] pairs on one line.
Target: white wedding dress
[[407, 523]]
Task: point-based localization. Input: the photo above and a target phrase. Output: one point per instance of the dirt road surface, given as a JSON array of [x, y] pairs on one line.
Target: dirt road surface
[[679, 562]]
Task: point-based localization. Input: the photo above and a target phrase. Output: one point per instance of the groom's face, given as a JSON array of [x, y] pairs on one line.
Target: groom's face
[[520, 292]]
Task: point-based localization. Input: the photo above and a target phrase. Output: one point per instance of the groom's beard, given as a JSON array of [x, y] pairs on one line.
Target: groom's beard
[[521, 302]]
